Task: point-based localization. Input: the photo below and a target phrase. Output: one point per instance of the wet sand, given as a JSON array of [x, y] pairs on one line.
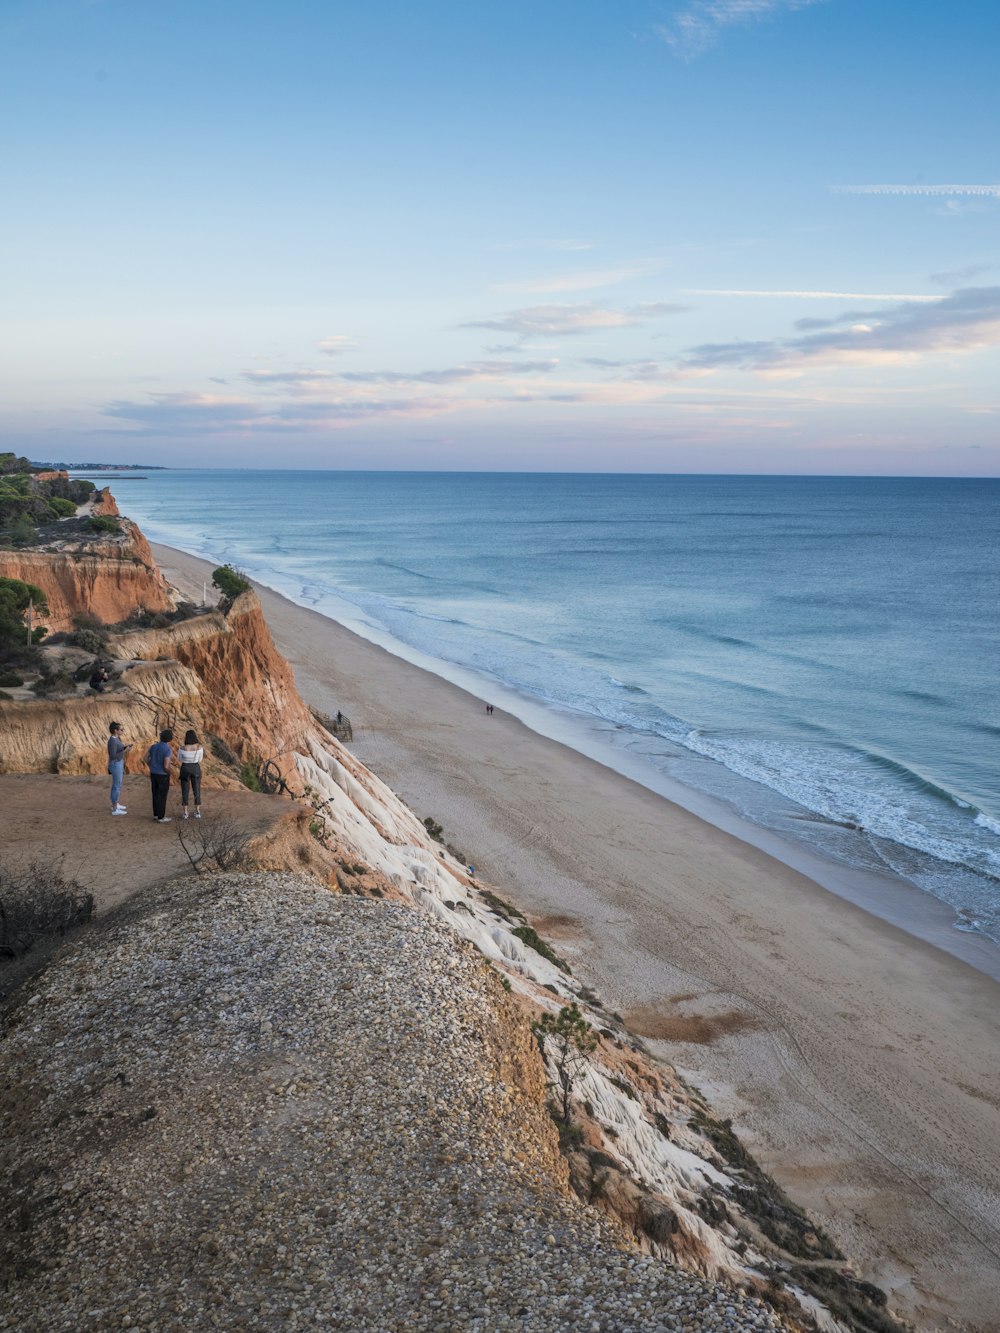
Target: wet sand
[[858, 1061]]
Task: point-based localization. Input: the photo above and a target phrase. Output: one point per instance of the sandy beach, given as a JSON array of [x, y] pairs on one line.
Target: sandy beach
[[857, 1061]]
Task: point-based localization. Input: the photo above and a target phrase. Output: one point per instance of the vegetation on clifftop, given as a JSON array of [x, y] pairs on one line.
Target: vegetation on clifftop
[[28, 500], [230, 583]]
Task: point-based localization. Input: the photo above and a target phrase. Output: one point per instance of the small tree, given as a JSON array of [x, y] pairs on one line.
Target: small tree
[[230, 583], [573, 1040], [18, 600]]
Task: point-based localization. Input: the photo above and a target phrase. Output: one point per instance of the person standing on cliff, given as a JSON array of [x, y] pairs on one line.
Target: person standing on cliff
[[117, 750], [190, 755], [159, 758]]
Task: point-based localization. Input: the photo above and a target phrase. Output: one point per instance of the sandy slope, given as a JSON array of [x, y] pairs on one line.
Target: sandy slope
[[859, 1062]]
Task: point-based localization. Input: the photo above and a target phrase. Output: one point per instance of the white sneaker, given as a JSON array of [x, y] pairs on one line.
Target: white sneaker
[[185, 814], [121, 809], [197, 814], [119, 812], [165, 820]]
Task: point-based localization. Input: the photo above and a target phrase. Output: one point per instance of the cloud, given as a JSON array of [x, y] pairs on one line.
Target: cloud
[[989, 191], [336, 345], [957, 276], [696, 28], [812, 296], [306, 380], [174, 414], [966, 321], [584, 281], [573, 320]]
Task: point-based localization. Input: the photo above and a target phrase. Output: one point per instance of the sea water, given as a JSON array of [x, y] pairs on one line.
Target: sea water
[[821, 654]]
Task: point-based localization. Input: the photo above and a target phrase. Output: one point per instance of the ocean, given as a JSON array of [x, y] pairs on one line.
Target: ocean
[[819, 654]]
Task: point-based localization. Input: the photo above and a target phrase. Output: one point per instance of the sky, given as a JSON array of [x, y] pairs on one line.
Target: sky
[[744, 236]]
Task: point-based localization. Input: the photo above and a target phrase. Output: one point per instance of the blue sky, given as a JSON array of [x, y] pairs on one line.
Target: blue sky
[[711, 236]]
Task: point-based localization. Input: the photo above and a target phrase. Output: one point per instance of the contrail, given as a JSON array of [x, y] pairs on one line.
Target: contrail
[[988, 191], [814, 296]]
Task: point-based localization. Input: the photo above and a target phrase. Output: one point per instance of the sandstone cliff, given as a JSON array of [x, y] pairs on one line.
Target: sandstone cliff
[[108, 579]]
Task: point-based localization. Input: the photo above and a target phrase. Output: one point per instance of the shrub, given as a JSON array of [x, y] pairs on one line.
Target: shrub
[[11, 678], [62, 508], [89, 640], [533, 940], [22, 531], [220, 844], [54, 682], [249, 777], [103, 523], [36, 900], [434, 829], [230, 583], [10, 462]]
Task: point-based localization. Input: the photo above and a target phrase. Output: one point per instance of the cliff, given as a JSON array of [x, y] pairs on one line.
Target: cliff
[[247, 693], [108, 579]]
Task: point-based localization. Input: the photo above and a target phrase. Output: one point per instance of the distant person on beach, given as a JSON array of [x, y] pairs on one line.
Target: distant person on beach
[[117, 750], [489, 710], [99, 677], [190, 756], [159, 758]]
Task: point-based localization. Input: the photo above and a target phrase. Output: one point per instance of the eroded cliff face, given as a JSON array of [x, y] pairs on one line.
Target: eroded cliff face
[[108, 580], [247, 691], [71, 735], [104, 505]]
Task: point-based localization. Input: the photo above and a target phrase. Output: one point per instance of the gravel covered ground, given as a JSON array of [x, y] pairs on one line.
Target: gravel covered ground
[[252, 1104]]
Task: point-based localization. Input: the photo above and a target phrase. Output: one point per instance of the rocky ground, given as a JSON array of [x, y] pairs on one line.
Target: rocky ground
[[249, 1103]]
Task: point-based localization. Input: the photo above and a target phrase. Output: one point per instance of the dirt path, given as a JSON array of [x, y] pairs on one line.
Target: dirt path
[[66, 820]]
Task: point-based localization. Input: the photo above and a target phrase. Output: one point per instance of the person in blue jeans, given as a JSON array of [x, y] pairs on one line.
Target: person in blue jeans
[[117, 750], [159, 758]]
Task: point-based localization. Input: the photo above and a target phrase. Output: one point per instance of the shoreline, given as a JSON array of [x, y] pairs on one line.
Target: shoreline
[[857, 1060], [885, 894]]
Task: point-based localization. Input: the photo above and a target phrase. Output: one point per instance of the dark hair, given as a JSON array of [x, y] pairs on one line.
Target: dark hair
[[190, 738], [166, 735], [114, 726]]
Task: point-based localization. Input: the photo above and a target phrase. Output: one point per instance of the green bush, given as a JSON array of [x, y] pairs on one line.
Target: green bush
[[103, 523], [230, 583], [9, 462], [248, 776], [62, 508], [22, 531], [90, 640], [11, 678], [54, 682], [533, 940]]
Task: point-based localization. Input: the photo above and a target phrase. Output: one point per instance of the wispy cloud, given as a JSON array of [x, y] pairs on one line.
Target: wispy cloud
[[471, 372], [695, 28], [336, 345], [966, 321], [812, 296], [559, 320], [583, 281], [955, 277], [191, 414], [990, 191]]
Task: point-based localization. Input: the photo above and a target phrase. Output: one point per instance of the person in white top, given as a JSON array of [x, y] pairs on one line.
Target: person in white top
[[190, 756]]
